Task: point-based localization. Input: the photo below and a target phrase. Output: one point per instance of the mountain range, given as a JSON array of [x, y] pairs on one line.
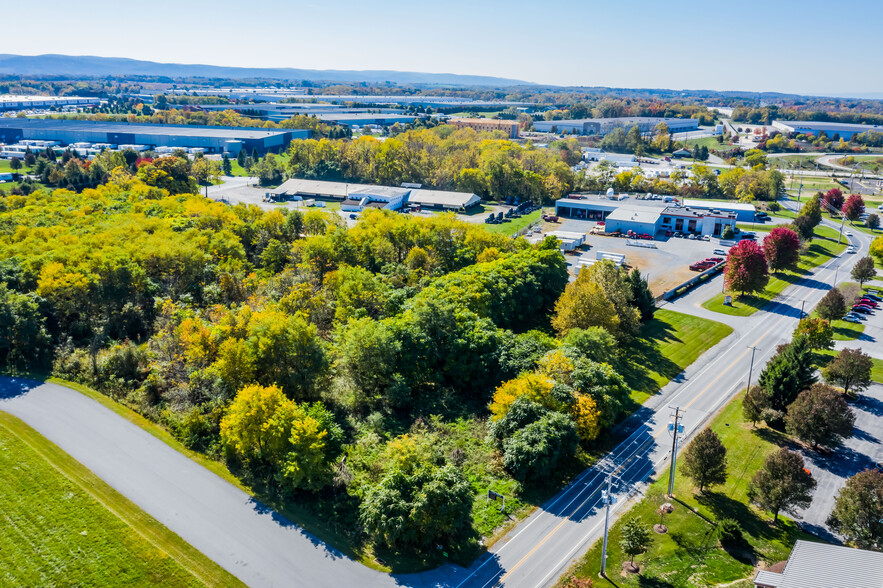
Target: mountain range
[[87, 65]]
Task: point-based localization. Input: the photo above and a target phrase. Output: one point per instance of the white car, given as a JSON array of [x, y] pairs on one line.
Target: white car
[[848, 234], [850, 249], [720, 252]]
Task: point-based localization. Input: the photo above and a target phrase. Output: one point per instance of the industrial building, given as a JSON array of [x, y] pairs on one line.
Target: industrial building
[[650, 217], [328, 113], [743, 212], [510, 127], [212, 139], [602, 126], [10, 102], [356, 197], [844, 130]]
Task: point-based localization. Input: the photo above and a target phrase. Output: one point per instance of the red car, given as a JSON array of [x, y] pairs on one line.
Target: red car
[[714, 259], [646, 236], [867, 301], [701, 266]]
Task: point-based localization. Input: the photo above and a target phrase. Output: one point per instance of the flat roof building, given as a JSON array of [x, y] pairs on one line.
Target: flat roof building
[[743, 212], [642, 216], [10, 102], [351, 195], [510, 127], [212, 139], [602, 126], [845, 130], [821, 565]]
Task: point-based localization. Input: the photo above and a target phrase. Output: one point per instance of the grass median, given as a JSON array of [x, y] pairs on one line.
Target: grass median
[[823, 248], [689, 554], [63, 524]]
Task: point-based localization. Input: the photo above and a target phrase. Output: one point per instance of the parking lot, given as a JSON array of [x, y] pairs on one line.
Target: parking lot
[[666, 266]]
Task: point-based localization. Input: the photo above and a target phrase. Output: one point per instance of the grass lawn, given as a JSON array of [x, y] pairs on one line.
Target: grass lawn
[[514, 225], [826, 355], [665, 346], [689, 554], [824, 246], [6, 167], [710, 142], [63, 524]]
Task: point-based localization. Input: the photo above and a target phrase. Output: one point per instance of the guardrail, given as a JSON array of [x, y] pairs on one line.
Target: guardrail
[[698, 279]]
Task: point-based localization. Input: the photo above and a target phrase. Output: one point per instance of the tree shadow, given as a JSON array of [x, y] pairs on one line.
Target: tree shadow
[[724, 507], [647, 582], [13, 387]]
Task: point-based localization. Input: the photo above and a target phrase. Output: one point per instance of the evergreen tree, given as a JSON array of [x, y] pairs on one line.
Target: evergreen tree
[[227, 166], [240, 157], [641, 296]]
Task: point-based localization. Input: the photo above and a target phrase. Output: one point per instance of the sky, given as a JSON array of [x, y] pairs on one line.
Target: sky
[[806, 46]]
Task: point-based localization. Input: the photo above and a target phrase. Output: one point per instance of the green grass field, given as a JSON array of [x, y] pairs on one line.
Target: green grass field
[[665, 346], [6, 167], [514, 225], [62, 525], [689, 554], [824, 246], [710, 142]]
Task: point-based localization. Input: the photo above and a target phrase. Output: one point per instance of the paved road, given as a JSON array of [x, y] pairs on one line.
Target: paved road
[[246, 538], [539, 549]]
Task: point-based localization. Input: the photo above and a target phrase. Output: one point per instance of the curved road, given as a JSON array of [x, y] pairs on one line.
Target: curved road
[[264, 549]]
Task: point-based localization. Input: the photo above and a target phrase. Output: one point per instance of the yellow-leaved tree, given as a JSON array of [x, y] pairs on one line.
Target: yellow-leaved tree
[[535, 386], [584, 305], [586, 416]]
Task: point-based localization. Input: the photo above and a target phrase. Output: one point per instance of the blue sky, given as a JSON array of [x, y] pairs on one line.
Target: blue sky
[[808, 46]]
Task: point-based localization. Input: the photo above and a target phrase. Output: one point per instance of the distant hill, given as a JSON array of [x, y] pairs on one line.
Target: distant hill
[[82, 66]]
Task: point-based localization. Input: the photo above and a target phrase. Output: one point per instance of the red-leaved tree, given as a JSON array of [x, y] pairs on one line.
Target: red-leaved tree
[[781, 248], [746, 270], [854, 207], [834, 198]]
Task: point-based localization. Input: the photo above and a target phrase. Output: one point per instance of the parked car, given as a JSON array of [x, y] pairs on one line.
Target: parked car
[[719, 252], [865, 300], [873, 297], [714, 259], [706, 238], [856, 315], [691, 237], [678, 234], [646, 236], [862, 309], [852, 319]]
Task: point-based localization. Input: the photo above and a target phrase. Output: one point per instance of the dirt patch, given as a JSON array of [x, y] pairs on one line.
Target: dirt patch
[[628, 568]]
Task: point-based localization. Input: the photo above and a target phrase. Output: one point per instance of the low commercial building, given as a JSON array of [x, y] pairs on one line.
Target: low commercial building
[[212, 139], [743, 212], [353, 196], [602, 126], [510, 127], [643, 216], [443, 199], [618, 159], [844, 130], [822, 565], [10, 102]]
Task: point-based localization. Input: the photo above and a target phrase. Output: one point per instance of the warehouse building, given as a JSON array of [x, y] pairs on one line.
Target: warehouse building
[[844, 130], [602, 126], [648, 217], [822, 565], [353, 195], [8, 103], [212, 139], [510, 127]]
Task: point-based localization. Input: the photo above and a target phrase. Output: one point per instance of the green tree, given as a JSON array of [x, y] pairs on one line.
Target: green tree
[[727, 234], [754, 403], [15, 164], [641, 296], [533, 453], [583, 305], [818, 332], [24, 340], [873, 221], [864, 270], [240, 157], [227, 165], [851, 370], [812, 210], [832, 306], [858, 511], [746, 269], [426, 507], [635, 538], [820, 416], [705, 460], [782, 484]]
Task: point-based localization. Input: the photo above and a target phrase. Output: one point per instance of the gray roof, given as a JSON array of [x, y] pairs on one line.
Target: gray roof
[[830, 126], [67, 125], [637, 214], [361, 190], [716, 205], [443, 198], [295, 187], [820, 565]]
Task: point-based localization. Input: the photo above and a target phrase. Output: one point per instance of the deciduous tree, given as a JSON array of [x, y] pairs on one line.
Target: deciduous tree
[[818, 332], [820, 416], [782, 484], [858, 511], [746, 269], [833, 199], [851, 370], [781, 248], [705, 460], [864, 270], [635, 538], [832, 306], [853, 207]]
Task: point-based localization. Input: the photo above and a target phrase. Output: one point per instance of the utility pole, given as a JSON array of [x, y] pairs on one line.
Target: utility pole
[[751, 367], [676, 429], [606, 498], [802, 303]]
